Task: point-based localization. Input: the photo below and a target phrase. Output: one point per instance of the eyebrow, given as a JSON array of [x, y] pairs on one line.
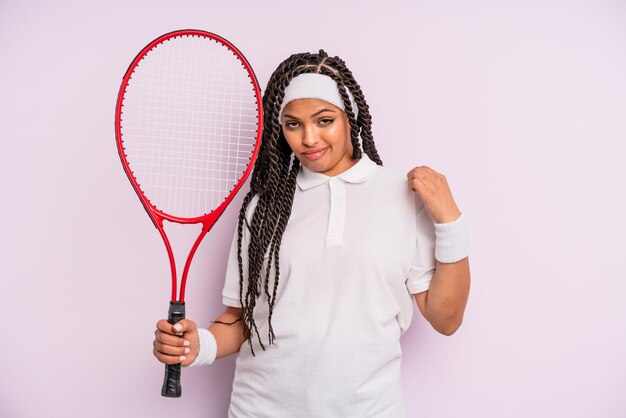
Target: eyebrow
[[313, 115]]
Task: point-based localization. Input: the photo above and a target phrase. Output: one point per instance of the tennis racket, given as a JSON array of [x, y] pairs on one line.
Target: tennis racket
[[188, 124]]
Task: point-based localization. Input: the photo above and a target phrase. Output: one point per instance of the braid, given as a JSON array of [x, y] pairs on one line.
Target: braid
[[354, 129], [274, 176], [364, 120]]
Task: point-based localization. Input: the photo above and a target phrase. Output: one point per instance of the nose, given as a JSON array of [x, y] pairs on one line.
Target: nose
[[309, 136]]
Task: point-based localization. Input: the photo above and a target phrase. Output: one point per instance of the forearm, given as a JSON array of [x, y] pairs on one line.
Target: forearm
[[447, 296], [229, 336]]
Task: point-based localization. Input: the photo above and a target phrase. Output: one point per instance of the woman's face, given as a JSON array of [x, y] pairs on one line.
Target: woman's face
[[319, 135]]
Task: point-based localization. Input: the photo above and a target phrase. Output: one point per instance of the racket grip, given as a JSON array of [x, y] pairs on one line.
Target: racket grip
[[171, 382]]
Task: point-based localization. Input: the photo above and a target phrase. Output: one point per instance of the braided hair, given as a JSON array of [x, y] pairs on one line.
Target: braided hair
[[275, 171]]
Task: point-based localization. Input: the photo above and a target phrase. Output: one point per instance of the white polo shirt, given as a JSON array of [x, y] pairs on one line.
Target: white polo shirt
[[355, 249]]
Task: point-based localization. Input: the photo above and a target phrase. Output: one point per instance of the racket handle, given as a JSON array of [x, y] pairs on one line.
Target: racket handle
[[171, 382]]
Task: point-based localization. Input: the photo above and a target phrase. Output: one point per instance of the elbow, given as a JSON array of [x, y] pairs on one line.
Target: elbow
[[445, 319], [449, 327]]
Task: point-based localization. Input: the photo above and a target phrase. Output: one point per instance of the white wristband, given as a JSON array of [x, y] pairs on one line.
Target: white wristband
[[208, 348], [452, 240]]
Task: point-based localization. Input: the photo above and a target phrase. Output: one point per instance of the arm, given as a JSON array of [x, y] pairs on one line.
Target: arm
[[169, 348], [229, 336], [443, 304]]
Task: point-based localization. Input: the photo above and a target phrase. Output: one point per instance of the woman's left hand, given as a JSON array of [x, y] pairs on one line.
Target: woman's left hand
[[434, 191]]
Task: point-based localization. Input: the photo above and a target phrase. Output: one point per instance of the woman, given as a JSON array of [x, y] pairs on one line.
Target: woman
[[330, 250]]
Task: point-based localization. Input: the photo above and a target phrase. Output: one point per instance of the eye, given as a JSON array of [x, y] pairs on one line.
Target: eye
[[291, 124], [326, 121]]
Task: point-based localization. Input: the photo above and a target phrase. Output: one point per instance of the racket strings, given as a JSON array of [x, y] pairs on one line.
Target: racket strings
[[189, 124]]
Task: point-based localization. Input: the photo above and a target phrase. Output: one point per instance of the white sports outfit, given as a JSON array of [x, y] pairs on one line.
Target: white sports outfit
[[356, 248]]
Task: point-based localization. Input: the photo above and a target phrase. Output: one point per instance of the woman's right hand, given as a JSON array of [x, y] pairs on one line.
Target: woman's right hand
[[170, 348]]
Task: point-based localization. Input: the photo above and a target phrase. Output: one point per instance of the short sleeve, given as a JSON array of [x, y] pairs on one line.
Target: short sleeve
[[424, 263], [230, 292]]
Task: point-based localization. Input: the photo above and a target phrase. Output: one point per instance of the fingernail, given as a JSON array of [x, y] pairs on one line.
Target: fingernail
[[182, 358], [187, 351], [186, 343], [178, 327]]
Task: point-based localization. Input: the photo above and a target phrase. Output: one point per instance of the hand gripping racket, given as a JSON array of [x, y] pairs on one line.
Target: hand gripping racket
[[188, 124]]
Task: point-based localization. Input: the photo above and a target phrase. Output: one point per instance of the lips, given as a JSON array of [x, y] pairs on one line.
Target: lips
[[315, 154]]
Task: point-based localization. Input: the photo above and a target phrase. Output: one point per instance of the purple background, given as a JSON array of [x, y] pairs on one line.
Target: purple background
[[521, 105]]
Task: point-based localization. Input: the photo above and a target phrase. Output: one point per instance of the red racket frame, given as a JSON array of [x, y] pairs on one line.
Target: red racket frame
[[155, 214]]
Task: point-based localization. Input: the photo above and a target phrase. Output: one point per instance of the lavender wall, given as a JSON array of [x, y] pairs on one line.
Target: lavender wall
[[520, 104]]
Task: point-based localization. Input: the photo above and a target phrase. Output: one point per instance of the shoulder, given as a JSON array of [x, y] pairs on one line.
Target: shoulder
[[394, 183], [391, 178]]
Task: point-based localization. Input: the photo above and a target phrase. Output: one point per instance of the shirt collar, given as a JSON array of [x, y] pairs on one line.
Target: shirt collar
[[358, 173]]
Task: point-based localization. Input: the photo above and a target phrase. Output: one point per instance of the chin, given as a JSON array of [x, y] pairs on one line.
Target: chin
[[318, 165], [313, 165]]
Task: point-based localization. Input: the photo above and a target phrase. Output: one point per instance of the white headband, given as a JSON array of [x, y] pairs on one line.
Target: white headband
[[315, 86]]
